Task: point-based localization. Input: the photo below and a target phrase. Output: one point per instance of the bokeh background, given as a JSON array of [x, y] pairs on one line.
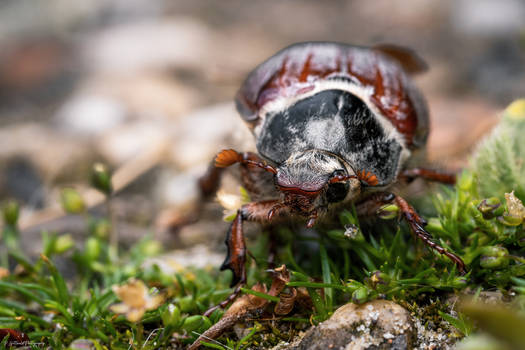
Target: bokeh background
[[147, 88]]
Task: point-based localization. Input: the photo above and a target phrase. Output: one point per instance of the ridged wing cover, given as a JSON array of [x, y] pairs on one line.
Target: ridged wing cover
[[295, 69]]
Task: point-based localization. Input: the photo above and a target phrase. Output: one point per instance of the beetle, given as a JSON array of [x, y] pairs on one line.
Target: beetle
[[334, 124]]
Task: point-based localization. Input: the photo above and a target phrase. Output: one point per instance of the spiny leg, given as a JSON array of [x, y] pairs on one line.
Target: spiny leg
[[428, 174], [236, 256], [370, 206], [210, 181], [416, 224]]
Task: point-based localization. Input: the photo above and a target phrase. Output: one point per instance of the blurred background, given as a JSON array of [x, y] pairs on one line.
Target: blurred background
[[147, 88]]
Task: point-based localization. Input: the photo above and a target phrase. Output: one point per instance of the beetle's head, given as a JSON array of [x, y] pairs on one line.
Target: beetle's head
[[310, 181]]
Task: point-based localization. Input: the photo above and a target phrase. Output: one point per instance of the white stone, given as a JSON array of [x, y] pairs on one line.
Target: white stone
[[148, 44], [488, 17], [200, 136], [128, 141], [90, 114]]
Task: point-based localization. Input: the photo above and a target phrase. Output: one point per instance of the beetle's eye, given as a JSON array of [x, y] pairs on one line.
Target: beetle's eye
[[337, 191]]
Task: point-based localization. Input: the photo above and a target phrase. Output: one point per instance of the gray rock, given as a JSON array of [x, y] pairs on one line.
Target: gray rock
[[379, 324]]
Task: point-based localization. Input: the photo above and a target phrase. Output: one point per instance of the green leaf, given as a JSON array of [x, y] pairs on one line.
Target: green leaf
[[463, 324], [261, 295], [318, 303], [213, 346], [246, 337], [60, 284], [27, 292], [56, 306], [500, 322]]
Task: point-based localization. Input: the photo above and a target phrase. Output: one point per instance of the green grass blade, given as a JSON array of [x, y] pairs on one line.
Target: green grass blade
[[260, 295], [60, 284], [318, 303], [325, 267], [26, 292], [316, 285]]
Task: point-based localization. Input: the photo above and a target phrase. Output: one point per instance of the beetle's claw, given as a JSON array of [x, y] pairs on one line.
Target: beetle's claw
[[271, 214], [311, 221], [274, 210]]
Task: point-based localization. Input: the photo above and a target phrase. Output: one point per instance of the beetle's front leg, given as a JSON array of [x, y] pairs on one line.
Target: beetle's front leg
[[235, 260], [428, 174], [236, 245], [370, 206]]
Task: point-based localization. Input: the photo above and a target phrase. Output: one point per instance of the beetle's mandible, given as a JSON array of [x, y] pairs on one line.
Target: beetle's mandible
[[334, 124]]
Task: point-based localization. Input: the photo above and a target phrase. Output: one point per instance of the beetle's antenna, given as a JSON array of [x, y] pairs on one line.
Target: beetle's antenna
[[228, 157], [342, 178]]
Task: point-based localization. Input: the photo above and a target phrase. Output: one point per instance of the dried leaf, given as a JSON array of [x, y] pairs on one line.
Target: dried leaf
[[248, 302], [304, 299], [3, 272], [248, 306], [135, 300], [242, 308], [281, 277], [286, 303]]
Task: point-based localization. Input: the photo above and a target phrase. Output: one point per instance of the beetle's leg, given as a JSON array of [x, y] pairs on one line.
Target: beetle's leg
[[428, 174], [416, 224], [210, 181], [372, 203], [236, 256], [235, 260], [370, 206]]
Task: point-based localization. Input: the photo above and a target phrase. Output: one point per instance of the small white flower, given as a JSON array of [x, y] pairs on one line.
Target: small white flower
[[232, 202]]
